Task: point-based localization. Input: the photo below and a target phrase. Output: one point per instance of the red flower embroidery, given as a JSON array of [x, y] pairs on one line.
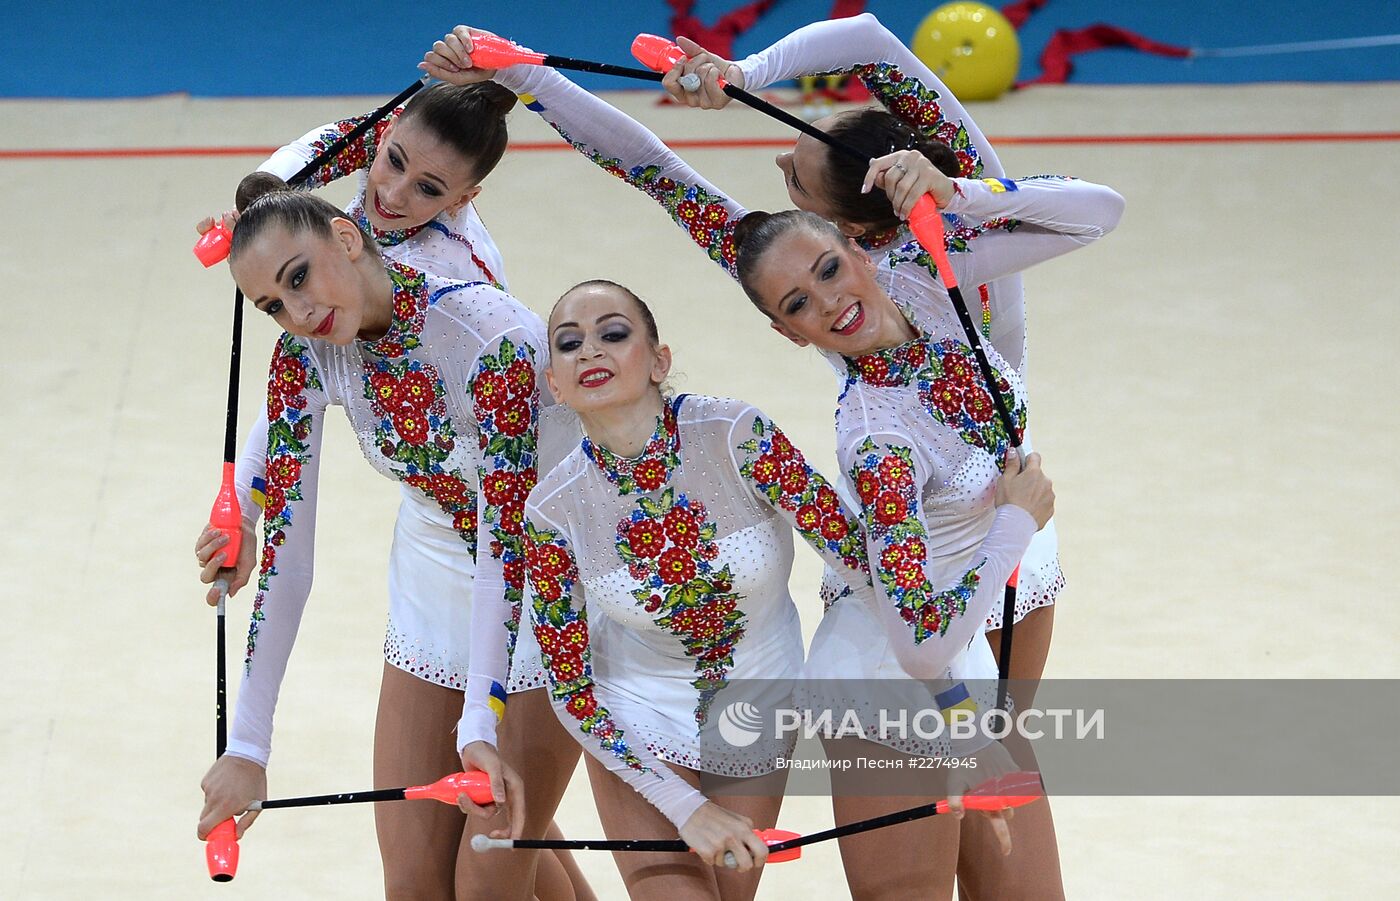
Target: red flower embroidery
[[766, 469], [866, 486], [449, 490], [412, 427], [890, 508], [276, 501], [809, 518], [909, 574], [795, 478], [290, 375], [834, 528], [978, 404], [514, 572], [520, 377], [574, 638], [514, 420], [646, 538], [566, 665], [782, 447], [895, 473], [828, 501], [416, 391], [500, 487], [677, 566], [874, 368], [283, 471], [547, 560], [547, 587], [383, 387], [682, 528], [548, 638], [944, 395], [583, 704], [490, 392], [649, 474]]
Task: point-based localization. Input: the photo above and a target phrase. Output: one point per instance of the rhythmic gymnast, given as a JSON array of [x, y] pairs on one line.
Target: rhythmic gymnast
[[430, 373], [659, 553]]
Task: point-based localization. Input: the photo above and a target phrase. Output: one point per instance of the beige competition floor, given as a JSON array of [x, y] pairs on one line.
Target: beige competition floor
[[1213, 393]]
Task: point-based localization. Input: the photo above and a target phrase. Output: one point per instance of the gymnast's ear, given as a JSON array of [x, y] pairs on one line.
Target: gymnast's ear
[[349, 236], [788, 333]]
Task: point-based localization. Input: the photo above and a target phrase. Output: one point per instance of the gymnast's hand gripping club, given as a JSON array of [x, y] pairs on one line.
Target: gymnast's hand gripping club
[[221, 845], [1000, 793], [490, 51]]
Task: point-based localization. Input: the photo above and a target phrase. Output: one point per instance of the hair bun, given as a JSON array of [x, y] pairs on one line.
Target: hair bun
[[255, 185], [941, 155], [746, 227], [501, 99]]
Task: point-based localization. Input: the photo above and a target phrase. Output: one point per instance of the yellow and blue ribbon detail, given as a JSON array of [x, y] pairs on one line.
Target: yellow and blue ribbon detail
[[497, 700], [955, 698], [999, 185], [259, 492]]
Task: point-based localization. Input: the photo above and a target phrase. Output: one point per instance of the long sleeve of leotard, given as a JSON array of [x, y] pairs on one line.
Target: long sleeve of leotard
[[559, 613], [288, 160], [1025, 221], [506, 401], [897, 78], [296, 402], [780, 475], [250, 472], [929, 609], [621, 145]]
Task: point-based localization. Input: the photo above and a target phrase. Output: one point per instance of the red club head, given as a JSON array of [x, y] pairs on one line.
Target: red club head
[[474, 784], [227, 517], [656, 53], [213, 246], [773, 837], [490, 51], [926, 222], [221, 851], [1015, 577], [1011, 790]]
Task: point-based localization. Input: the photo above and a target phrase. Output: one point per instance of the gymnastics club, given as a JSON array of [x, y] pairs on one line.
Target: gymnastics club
[[926, 222], [490, 51], [771, 837], [474, 784], [1011, 790], [221, 848]]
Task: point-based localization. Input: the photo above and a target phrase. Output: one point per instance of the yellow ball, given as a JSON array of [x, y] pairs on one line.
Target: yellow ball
[[972, 47]]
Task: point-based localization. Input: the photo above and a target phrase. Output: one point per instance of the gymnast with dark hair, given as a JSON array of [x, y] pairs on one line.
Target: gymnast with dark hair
[[439, 379]]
